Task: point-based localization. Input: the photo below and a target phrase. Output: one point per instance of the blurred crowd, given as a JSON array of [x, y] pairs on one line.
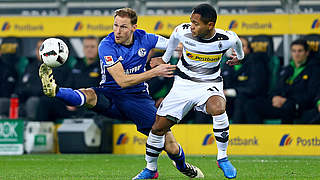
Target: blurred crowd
[[260, 90]]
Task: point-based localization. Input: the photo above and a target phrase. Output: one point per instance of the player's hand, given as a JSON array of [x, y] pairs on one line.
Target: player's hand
[[319, 108], [165, 70], [156, 61], [278, 101], [233, 59]]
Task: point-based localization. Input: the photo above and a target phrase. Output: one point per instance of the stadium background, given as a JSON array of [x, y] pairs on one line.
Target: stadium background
[[284, 21]]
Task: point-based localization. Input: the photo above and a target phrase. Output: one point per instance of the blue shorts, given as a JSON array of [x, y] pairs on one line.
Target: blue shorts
[[136, 107]]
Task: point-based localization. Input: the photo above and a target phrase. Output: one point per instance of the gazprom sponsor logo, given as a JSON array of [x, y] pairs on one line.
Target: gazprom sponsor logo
[[78, 26], [239, 141], [233, 25], [122, 139], [159, 25], [5, 26], [315, 24], [208, 139], [285, 140]]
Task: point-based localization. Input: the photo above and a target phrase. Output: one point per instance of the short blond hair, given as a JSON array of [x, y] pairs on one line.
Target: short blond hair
[[127, 12]]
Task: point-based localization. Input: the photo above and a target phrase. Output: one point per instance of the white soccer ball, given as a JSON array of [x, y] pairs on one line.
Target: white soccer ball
[[54, 52]]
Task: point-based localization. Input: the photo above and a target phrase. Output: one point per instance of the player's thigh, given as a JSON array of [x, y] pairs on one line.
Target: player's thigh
[[140, 109], [180, 100], [91, 97]]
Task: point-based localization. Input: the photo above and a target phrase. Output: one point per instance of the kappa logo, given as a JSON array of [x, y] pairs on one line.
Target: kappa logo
[[122, 139], [78, 26], [159, 26], [285, 140], [208, 139], [315, 24], [5, 26], [233, 25]]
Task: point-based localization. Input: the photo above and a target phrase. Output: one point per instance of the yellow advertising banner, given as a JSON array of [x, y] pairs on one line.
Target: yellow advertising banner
[[243, 139], [78, 26]]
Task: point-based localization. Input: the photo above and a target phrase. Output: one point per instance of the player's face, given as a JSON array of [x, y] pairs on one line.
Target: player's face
[[90, 48], [199, 28], [123, 30], [298, 53]]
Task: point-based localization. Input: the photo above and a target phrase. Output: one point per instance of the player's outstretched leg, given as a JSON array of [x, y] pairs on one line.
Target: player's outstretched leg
[[187, 169], [48, 83], [50, 88], [221, 133]]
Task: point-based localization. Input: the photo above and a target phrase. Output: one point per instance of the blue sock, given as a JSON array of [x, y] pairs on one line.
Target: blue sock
[[179, 159], [71, 97]]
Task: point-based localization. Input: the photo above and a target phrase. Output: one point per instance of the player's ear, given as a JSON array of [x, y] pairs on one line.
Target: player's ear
[[211, 25], [134, 27]]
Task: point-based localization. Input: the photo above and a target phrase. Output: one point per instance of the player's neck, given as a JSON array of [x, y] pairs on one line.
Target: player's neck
[[210, 34], [129, 42]]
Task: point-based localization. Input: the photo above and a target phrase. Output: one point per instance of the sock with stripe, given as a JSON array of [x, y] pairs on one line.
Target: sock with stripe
[[71, 97], [154, 146], [221, 134], [179, 159]]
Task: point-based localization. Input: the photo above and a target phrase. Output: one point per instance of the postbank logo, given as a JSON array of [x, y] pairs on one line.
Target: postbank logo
[[78, 26], [285, 140], [122, 139], [233, 25], [204, 58], [315, 24], [208, 139], [159, 26], [5, 26]]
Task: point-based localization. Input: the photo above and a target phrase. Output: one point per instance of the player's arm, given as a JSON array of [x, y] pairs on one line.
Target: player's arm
[[236, 52], [127, 80]]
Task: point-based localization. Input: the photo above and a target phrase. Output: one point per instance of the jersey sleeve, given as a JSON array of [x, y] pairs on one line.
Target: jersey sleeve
[[162, 43], [108, 55], [151, 40], [172, 44], [237, 45]]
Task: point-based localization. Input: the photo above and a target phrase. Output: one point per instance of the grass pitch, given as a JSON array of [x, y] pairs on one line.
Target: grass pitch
[[106, 166]]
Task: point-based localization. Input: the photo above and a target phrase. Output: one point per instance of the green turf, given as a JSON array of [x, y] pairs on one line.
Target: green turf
[[105, 166]]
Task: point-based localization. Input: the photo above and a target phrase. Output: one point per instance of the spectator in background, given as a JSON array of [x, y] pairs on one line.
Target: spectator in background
[[245, 81], [294, 92], [8, 80], [312, 116]]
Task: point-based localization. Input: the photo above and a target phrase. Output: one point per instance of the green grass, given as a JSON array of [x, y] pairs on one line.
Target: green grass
[[106, 166]]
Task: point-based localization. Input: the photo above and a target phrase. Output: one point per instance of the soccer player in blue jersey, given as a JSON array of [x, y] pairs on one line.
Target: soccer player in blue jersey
[[123, 92]]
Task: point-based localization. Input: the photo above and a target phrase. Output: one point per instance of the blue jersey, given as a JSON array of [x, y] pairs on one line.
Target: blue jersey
[[133, 59]]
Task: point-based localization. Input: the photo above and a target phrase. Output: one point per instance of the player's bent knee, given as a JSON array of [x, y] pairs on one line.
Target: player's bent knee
[[91, 97], [216, 105]]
